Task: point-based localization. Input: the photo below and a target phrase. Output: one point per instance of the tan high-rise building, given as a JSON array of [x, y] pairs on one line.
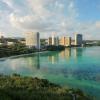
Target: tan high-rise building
[[68, 41], [33, 40], [50, 41], [62, 41], [65, 41]]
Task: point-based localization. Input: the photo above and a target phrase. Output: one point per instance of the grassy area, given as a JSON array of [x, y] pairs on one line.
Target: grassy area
[[16, 87]]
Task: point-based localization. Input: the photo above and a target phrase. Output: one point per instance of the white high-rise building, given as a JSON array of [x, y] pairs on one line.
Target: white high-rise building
[[56, 41], [53, 41], [33, 40], [78, 39]]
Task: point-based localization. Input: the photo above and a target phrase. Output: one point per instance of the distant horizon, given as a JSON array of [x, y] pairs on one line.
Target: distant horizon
[[58, 36]]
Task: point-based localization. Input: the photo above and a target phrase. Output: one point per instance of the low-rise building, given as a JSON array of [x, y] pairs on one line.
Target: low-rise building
[[10, 43]]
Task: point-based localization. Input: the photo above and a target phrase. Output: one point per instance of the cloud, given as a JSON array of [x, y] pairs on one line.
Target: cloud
[[98, 24], [30, 23], [45, 16], [8, 2]]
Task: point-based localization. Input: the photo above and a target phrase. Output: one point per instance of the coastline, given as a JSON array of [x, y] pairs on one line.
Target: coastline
[[17, 85], [21, 55]]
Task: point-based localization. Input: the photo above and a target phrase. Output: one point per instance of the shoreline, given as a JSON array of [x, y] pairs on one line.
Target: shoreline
[[40, 87], [21, 55]]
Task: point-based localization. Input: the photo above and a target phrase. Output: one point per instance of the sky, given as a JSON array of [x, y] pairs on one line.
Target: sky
[[62, 17]]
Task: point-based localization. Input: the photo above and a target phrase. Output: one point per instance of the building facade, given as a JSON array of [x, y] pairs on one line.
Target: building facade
[[50, 41], [78, 39], [56, 41], [62, 41], [68, 41], [65, 41], [33, 40], [53, 41]]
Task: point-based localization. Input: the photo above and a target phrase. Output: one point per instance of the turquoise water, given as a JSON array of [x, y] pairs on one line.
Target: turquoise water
[[74, 68]]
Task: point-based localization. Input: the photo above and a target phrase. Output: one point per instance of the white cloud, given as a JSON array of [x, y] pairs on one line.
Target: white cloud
[[8, 2], [45, 16], [98, 24]]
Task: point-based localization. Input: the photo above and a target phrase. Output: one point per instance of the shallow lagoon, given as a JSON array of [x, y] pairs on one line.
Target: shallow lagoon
[[74, 68]]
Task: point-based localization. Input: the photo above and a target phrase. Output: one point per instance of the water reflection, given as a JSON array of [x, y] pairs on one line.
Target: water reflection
[[66, 54], [54, 57], [34, 62], [78, 52], [76, 67]]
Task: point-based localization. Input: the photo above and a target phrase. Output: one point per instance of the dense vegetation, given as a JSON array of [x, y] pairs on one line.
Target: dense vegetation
[[15, 49], [55, 48], [18, 48], [16, 87], [98, 43]]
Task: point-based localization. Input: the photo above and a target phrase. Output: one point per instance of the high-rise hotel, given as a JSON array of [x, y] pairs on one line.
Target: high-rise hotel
[[78, 39], [53, 41], [33, 40], [65, 41]]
